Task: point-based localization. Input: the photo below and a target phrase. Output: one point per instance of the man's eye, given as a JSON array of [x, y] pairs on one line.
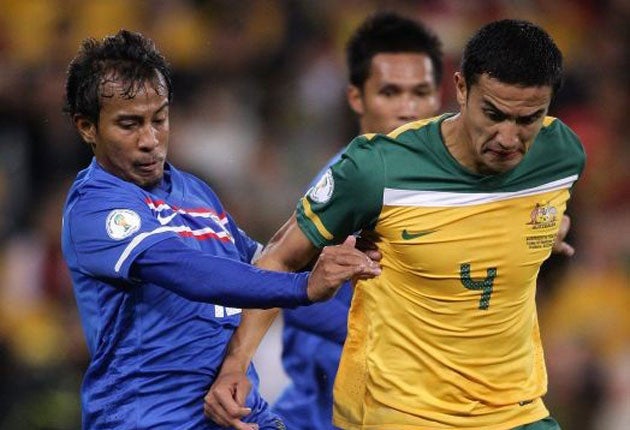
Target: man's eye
[[495, 116], [127, 125], [423, 93], [527, 120]]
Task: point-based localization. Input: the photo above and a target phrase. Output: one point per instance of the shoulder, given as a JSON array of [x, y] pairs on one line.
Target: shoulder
[[412, 129], [554, 128], [413, 148], [96, 184], [558, 140], [97, 192]]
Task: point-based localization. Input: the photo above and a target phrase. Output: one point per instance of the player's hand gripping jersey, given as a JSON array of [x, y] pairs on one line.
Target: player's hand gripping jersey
[[447, 336]]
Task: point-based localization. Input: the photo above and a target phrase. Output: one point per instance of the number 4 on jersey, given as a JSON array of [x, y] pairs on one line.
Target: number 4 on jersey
[[485, 286]]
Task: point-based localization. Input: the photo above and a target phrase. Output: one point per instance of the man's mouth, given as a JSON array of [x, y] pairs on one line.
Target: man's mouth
[[504, 155], [147, 166]]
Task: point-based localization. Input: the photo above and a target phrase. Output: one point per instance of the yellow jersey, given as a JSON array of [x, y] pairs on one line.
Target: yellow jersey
[[447, 336]]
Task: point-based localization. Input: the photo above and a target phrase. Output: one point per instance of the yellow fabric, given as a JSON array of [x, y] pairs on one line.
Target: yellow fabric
[[420, 349]]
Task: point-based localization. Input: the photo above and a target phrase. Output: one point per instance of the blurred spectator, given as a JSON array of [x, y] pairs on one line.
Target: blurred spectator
[[46, 352]]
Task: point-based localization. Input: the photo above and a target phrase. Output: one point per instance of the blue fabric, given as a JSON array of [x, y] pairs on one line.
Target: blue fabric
[[311, 361], [312, 341], [211, 279], [154, 352]]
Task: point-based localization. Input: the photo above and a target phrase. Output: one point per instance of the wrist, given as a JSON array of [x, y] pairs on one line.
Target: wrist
[[234, 365], [302, 289]]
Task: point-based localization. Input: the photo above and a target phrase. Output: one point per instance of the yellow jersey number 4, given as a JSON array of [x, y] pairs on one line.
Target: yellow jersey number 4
[[485, 285]]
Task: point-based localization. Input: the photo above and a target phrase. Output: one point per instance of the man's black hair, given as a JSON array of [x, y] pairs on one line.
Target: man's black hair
[[126, 57], [388, 32], [514, 52]]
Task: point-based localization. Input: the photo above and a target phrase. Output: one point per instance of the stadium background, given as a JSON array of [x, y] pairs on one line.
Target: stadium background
[[258, 109]]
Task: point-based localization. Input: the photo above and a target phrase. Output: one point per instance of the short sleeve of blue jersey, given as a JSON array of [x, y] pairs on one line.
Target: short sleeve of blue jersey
[[107, 230]]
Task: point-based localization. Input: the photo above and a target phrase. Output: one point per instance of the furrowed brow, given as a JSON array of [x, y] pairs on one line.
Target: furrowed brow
[[523, 119]]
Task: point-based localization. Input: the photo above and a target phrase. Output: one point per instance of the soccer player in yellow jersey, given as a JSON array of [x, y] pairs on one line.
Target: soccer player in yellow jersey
[[395, 70], [464, 208]]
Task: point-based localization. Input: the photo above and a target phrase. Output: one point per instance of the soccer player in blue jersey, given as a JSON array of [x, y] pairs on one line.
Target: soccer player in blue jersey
[[395, 69], [160, 270], [465, 208]]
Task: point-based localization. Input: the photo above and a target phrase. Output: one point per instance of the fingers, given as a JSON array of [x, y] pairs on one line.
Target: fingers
[[337, 264], [224, 412], [350, 241], [225, 402], [373, 255], [565, 225], [348, 260], [564, 248], [369, 248], [245, 426], [560, 246], [240, 396]]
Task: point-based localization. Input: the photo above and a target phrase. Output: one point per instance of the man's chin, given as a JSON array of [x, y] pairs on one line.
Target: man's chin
[[498, 168], [147, 183]]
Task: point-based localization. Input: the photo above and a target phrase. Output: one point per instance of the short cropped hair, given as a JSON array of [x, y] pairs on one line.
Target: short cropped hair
[[388, 32], [126, 57], [514, 52]]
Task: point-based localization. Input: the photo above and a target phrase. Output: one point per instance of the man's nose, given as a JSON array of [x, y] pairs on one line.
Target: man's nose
[[148, 137], [408, 108], [508, 134]]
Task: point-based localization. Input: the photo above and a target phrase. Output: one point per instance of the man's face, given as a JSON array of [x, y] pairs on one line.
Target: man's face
[[500, 122], [131, 138], [400, 88]]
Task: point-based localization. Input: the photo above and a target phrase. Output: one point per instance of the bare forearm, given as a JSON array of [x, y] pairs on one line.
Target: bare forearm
[[288, 250], [255, 322], [245, 340]]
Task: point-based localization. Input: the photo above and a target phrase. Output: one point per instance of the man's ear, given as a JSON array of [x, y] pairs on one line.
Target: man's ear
[[461, 91], [86, 128], [355, 99]]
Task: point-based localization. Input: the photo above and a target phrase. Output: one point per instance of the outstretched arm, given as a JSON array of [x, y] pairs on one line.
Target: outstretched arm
[[288, 250]]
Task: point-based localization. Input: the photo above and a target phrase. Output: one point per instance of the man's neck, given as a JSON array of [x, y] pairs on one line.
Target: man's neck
[[457, 141]]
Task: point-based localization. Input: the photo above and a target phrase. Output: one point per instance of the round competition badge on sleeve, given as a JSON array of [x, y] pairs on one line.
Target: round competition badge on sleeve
[[122, 223], [322, 191]]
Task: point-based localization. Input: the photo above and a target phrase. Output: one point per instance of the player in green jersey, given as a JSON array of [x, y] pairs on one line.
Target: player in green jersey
[[464, 208]]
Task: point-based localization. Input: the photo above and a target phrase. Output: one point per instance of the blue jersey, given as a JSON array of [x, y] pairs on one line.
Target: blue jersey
[[312, 341], [147, 266]]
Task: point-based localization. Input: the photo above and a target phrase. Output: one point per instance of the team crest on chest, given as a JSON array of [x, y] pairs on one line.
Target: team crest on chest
[[544, 215], [122, 223], [322, 191], [543, 221]]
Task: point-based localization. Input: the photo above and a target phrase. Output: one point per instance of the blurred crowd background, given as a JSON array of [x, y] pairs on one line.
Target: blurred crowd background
[[259, 107]]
